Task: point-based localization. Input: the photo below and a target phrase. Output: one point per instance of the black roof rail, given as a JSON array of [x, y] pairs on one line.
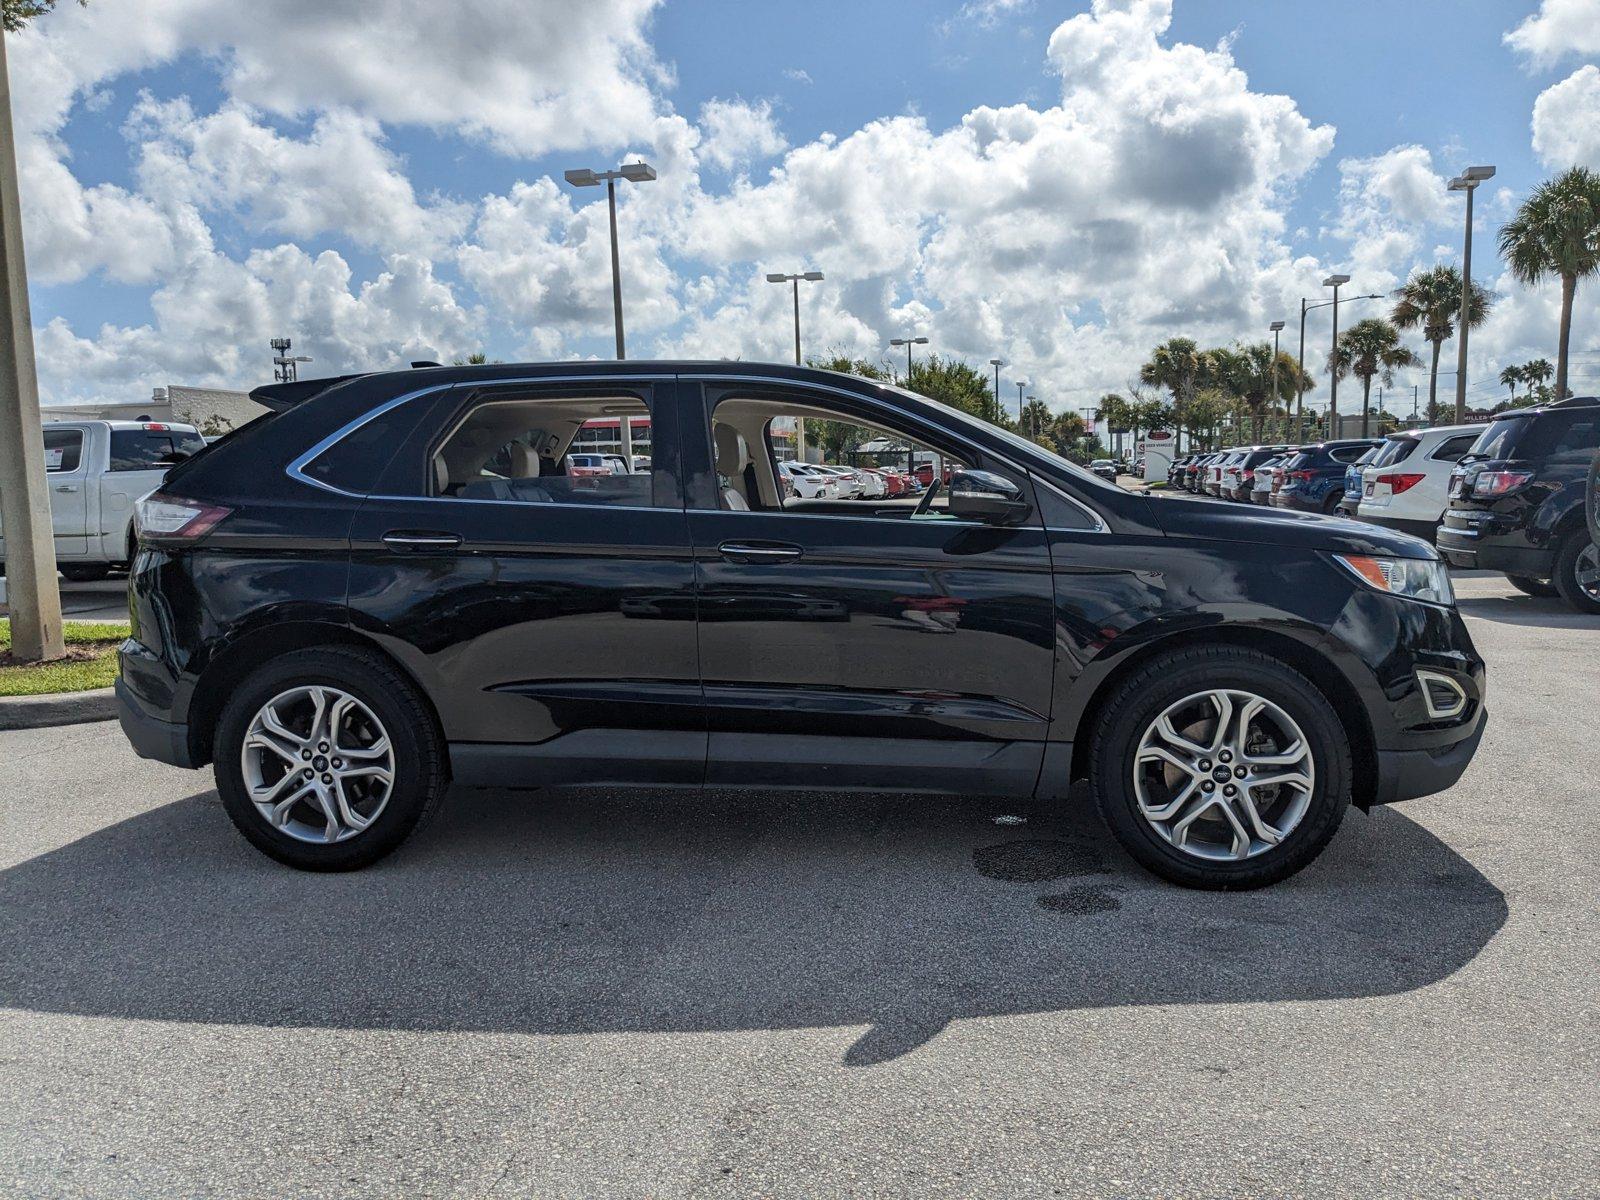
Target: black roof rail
[[280, 397]]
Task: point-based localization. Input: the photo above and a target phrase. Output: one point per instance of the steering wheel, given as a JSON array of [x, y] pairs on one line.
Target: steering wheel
[[927, 499]]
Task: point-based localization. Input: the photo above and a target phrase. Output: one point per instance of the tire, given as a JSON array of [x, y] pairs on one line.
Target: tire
[[1529, 586], [1330, 505], [1305, 817], [1578, 556], [84, 572], [415, 758]]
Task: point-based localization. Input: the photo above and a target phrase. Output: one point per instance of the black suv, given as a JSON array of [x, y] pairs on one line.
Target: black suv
[[393, 584], [1517, 502]]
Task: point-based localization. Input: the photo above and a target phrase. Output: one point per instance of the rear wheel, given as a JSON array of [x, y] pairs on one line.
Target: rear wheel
[[1530, 586], [1220, 768], [1330, 505], [1577, 572], [328, 758]]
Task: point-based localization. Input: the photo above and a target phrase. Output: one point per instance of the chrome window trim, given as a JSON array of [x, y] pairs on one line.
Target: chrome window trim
[[296, 469]]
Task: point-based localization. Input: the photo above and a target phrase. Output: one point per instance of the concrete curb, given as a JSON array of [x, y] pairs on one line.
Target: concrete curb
[[63, 708]]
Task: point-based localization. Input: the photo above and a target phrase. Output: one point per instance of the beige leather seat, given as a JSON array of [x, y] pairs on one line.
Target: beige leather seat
[[733, 456]]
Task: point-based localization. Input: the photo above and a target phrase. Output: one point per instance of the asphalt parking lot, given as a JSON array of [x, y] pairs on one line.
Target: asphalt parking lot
[[600, 994]]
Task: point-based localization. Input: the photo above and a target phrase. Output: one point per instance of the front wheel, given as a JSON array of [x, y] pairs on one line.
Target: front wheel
[[328, 758], [1577, 572], [1220, 768]]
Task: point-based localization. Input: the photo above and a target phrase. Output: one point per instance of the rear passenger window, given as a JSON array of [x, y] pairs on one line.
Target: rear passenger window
[[1348, 454], [63, 449], [517, 450], [151, 449], [1451, 449]]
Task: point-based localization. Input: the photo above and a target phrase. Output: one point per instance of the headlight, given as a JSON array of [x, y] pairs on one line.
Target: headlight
[[1413, 578]]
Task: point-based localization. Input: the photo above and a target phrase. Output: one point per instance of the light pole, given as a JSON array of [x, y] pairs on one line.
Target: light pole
[[809, 277], [1300, 384], [908, 343], [997, 363], [634, 173], [1022, 386], [1035, 433], [1276, 327], [1334, 281], [1467, 182]]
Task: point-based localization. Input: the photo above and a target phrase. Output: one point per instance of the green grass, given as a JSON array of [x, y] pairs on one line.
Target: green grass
[[96, 640]]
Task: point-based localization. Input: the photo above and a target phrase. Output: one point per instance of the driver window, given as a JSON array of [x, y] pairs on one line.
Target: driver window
[[809, 459]]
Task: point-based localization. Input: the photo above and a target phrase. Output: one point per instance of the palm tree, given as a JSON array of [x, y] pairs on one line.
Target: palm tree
[[1511, 376], [1537, 373], [1431, 301], [1369, 350], [1557, 232], [1177, 365]]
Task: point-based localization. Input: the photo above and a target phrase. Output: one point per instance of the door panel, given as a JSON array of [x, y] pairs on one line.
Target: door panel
[[559, 639], [67, 455], [873, 651]]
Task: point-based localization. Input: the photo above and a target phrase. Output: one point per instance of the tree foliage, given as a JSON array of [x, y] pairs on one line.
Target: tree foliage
[[17, 13], [1431, 301]]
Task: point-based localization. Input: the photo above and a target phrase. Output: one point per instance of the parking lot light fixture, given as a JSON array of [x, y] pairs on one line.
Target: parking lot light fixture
[[635, 172], [997, 363], [908, 343], [1022, 386], [1467, 182], [1334, 281], [795, 281]]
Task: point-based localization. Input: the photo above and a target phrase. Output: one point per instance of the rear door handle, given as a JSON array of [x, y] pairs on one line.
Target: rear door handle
[[66, 487], [760, 552], [417, 540]]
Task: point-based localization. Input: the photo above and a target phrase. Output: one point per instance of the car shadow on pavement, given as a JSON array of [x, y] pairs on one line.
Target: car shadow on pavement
[[584, 912], [1534, 612]]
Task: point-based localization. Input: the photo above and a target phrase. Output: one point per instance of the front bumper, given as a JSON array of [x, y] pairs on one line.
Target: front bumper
[[150, 735], [1409, 774]]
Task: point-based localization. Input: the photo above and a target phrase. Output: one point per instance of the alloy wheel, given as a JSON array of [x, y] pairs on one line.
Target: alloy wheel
[[1586, 570], [318, 764], [1223, 775]]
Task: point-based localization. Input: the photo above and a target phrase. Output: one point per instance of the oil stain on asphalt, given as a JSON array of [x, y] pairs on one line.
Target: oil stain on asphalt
[[1040, 860]]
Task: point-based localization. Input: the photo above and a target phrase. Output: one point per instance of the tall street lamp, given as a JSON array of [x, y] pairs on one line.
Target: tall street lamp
[[1334, 281], [1300, 384], [908, 343], [1467, 182], [634, 173], [809, 277], [997, 363], [1022, 386], [1276, 327]]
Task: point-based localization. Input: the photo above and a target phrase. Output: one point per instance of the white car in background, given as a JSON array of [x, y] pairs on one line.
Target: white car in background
[[808, 482], [1406, 486], [847, 478]]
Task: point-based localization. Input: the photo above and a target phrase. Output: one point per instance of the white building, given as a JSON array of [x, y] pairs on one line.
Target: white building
[[211, 410]]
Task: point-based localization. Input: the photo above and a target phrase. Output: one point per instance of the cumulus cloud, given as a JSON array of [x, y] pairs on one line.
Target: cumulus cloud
[[737, 133], [1566, 121], [1559, 28]]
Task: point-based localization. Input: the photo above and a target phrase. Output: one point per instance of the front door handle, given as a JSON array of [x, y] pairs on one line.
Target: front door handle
[[66, 487], [760, 552], [421, 540]]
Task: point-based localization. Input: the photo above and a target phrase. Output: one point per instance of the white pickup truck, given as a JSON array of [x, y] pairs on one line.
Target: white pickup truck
[[97, 471]]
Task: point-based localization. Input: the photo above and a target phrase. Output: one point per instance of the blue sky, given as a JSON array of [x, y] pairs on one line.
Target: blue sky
[[197, 181]]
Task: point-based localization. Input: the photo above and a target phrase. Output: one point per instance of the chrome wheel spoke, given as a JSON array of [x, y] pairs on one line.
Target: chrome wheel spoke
[[1174, 738], [1296, 779], [280, 811], [1295, 752], [1267, 833], [1165, 812]]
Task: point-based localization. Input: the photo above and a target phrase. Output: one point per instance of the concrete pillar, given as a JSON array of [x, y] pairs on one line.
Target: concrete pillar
[[30, 553]]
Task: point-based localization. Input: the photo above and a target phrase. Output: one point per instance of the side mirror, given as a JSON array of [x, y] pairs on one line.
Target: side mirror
[[987, 497]]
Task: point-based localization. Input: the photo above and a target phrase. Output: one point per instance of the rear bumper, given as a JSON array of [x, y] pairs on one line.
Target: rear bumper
[[1409, 774], [1511, 555], [1422, 529], [1295, 501], [150, 736]]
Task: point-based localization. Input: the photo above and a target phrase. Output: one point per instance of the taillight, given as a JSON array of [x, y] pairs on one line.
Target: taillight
[[1302, 476], [172, 517], [1490, 484], [1400, 483]]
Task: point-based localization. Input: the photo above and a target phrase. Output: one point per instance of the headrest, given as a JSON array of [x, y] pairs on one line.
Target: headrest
[[441, 475], [524, 462], [732, 454]]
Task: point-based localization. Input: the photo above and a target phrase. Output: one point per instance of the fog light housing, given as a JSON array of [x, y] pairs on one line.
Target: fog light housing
[[1445, 698]]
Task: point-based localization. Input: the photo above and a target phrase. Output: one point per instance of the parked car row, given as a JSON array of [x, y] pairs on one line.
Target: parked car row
[[1505, 497], [826, 481]]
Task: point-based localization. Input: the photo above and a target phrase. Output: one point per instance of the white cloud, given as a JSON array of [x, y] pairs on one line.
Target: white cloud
[[737, 133], [988, 12], [1560, 28], [798, 74], [1390, 205], [1566, 121]]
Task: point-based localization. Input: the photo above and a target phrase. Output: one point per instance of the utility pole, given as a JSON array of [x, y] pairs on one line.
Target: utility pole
[[31, 590], [1277, 328]]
